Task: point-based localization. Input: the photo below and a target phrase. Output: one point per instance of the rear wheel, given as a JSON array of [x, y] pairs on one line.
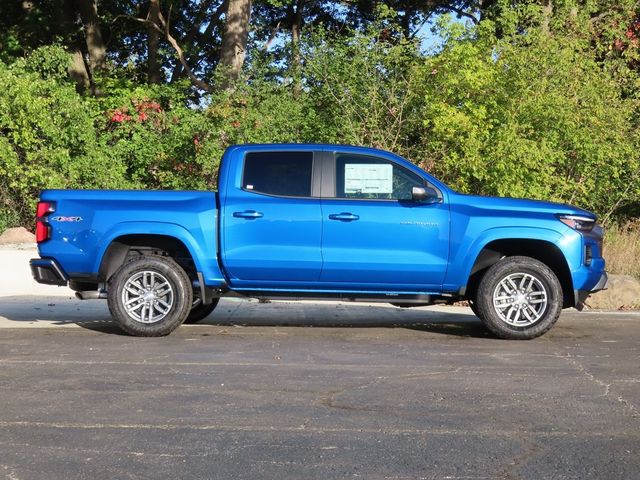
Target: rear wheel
[[519, 298], [150, 296]]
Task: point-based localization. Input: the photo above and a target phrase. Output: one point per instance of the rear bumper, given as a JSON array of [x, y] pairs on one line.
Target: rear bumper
[[582, 295], [47, 271]]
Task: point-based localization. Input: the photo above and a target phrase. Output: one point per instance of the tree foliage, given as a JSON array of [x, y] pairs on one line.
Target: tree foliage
[[532, 115], [531, 99]]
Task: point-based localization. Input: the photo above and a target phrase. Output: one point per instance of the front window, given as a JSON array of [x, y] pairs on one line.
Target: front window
[[365, 177]]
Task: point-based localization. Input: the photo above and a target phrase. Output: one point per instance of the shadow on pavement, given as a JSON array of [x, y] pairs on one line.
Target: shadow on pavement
[[44, 311], [468, 328], [457, 322], [56, 309]]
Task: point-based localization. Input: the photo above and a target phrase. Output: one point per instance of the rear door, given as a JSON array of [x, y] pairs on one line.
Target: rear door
[[272, 221], [374, 236]]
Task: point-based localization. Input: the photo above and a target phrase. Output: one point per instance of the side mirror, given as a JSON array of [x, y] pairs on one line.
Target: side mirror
[[421, 194]]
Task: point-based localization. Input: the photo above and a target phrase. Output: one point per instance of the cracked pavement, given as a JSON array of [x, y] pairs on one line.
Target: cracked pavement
[[316, 391]]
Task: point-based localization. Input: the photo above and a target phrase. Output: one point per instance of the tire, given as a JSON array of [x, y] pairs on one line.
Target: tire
[[474, 307], [527, 295], [150, 296], [200, 311]]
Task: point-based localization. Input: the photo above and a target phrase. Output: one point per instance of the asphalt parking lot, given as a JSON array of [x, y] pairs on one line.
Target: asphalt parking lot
[[315, 391]]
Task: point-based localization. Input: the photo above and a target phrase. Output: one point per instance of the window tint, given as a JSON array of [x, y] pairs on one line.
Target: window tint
[[278, 173], [360, 176]]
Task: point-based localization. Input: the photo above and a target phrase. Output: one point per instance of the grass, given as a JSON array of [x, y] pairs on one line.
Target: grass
[[622, 248]]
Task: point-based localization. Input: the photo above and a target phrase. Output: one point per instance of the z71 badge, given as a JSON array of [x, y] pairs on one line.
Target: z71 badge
[[60, 218]]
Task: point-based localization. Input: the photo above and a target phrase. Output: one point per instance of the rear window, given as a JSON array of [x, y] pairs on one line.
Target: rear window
[[278, 173]]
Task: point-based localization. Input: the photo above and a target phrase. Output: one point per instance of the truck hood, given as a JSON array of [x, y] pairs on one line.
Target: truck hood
[[520, 205]]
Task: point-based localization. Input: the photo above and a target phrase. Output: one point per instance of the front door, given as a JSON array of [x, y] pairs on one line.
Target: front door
[[271, 224], [374, 236]]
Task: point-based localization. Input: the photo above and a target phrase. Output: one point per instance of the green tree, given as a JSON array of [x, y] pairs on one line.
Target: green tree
[[529, 114]]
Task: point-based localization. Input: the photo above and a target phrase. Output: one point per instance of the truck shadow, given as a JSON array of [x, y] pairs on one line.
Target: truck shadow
[[458, 321], [55, 312], [40, 311]]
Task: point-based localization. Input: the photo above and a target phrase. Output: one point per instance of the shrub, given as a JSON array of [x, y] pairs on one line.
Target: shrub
[[47, 140]]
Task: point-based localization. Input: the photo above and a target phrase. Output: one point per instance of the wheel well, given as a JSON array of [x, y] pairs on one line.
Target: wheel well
[[126, 247], [545, 252]]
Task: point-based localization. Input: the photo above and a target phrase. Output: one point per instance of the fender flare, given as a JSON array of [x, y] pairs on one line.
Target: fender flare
[[210, 270], [466, 258]]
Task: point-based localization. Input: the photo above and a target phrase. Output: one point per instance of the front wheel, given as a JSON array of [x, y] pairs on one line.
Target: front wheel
[[474, 307], [519, 298], [201, 311], [150, 296]]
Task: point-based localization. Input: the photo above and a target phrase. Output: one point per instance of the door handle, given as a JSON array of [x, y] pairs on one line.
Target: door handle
[[344, 217], [250, 214]]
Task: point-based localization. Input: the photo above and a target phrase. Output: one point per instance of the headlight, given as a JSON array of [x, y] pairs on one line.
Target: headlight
[[578, 222]]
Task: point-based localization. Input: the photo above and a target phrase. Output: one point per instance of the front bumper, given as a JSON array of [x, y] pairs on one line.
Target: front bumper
[[582, 295], [47, 271]]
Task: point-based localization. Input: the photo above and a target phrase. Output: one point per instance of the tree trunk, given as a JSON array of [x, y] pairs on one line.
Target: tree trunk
[[153, 42], [296, 61], [234, 40], [88, 10], [78, 71]]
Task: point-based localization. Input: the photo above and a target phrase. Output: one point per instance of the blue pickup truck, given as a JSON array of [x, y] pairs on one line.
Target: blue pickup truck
[[322, 222]]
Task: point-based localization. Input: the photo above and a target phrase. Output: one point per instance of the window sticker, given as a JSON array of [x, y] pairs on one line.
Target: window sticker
[[368, 178]]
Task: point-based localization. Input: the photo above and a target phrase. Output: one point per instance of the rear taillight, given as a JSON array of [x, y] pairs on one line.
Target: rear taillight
[[43, 230]]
